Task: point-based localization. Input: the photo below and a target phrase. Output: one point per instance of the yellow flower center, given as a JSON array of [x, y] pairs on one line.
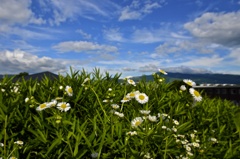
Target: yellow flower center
[[196, 93], [138, 123], [43, 105], [189, 83], [70, 90], [125, 98], [132, 94], [141, 97], [63, 106]]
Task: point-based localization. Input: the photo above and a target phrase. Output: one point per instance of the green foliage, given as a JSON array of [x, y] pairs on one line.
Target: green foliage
[[176, 125]]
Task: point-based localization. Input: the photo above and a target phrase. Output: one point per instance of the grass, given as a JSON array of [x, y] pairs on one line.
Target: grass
[[175, 125]]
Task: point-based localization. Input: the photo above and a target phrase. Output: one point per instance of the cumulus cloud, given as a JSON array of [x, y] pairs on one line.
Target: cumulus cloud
[[221, 28], [81, 46], [137, 10], [20, 61], [17, 12]]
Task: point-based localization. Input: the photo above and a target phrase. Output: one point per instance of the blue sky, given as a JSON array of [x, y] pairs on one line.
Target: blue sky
[[132, 37]]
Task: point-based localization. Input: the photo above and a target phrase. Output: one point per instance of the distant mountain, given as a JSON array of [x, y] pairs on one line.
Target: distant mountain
[[198, 78], [36, 76]]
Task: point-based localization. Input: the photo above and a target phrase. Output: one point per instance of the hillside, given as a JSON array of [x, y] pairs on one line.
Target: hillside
[[198, 78]]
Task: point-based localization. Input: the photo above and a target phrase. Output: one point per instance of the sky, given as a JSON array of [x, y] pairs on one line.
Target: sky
[[132, 37]]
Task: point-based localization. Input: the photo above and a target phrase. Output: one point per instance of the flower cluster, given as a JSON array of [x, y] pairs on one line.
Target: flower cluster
[[196, 95]]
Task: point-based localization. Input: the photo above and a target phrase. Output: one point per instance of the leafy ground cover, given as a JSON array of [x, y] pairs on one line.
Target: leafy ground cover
[[91, 115]]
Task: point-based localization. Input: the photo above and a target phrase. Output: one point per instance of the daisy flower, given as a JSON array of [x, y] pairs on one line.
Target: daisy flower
[[132, 94], [162, 71], [183, 88], [189, 82], [63, 106], [152, 118], [26, 100], [121, 115], [196, 95], [12, 157], [175, 122], [94, 155], [52, 103], [125, 99], [145, 112], [141, 98], [115, 106], [85, 80], [130, 81], [131, 133], [42, 107], [136, 122], [69, 90], [19, 142]]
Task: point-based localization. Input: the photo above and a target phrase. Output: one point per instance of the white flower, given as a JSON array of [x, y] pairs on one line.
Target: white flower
[[183, 87], [174, 129], [19, 142], [63, 106], [162, 71], [152, 118], [61, 87], [52, 103], [26, 100], [136, 122], [189, 153], [125, 99], [130, 81], [3, 90], [1, 144], [42, 107], [195, 144], [121, 115], [12, 157], [94, 155], [85, 80], [69, 90], [214, 140], [189, 82], [164, 127], [188, 148], [141, 98], [132, 94], [145, 112], [196, 95], [192, 136], [131, 133], [115, 106], [175, 122]]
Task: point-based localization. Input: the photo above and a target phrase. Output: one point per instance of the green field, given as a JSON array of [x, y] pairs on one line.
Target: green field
[[93, 115]]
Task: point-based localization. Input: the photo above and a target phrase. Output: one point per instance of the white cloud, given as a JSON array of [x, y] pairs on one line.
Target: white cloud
[[221, 28], [235, 55], [17, 12], [204, 62], [17, 61], [81, 46], [137, 10], [84, 34], [71, 9], [185, 46], [114, 35]]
